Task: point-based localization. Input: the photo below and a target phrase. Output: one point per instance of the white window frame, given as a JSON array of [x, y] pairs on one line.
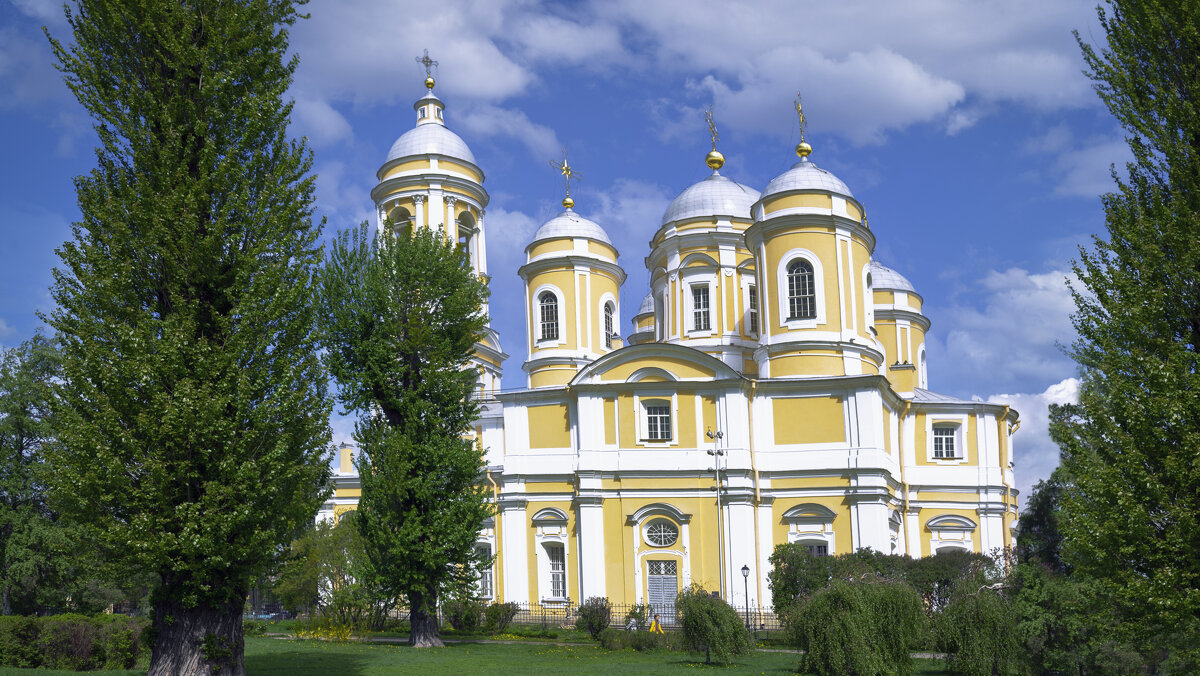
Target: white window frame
[[753, 310], [536, 314], [689, 282], [644, 400], [488, 574], [951, 531], [660, 520], [551, 530], [959, 423], [811, 524], [557, 579], [606, 300], [701, 311], [781, 280]]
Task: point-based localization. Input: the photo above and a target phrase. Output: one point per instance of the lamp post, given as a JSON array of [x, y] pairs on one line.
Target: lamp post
[[746, 583], [717, 452]]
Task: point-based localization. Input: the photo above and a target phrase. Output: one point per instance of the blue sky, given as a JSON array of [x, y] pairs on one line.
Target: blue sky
[[967, 130]]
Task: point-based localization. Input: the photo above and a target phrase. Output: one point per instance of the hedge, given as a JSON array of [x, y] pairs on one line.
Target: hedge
[[74, 642]]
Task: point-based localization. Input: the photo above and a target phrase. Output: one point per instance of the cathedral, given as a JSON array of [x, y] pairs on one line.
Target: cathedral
[[772, 389]]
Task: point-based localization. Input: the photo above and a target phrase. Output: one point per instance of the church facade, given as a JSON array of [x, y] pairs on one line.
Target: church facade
[[773, 389]]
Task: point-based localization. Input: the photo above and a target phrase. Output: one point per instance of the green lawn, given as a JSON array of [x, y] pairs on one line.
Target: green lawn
[[302, 658]]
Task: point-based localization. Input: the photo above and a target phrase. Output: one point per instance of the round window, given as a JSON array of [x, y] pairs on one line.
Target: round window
[[661, 533]]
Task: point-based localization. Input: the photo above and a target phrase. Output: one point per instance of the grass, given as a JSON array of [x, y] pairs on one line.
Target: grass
[[303, 658]]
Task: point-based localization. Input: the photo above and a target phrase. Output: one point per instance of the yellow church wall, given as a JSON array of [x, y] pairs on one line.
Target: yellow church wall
[[685, 433], [406, 166], [348, 493], [708, 410], [854, 212], [945, 496], [550, 488], [457, 167], [675, 366], [668, 483], [809, 482], [564, 281], [601, 284], [808, 420], [842, 532], [928, 513], [551, 246], [550, 377], [885, 416], [626, 423], [816, 363], [602, 249], [610, 421], [822, 243], [549, 426], [815, 200]]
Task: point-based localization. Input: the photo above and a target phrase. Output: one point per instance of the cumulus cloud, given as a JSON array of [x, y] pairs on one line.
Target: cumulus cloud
[[487, 121], [630, 211], [1035, 455], [1009, 337], [6, 329], [1080, 168], [507, 234], [320, 122], [344, 197]]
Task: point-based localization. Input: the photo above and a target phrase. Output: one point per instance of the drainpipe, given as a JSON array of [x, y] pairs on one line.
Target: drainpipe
[[757, 498], [903, 482], [498, 592]]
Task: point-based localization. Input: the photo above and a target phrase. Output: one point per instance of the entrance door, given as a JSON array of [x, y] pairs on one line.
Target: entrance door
[[662, 586]]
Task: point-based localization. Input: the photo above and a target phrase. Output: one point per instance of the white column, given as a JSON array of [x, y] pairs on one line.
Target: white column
[[591, 543], [766, 546], [741, 553], [451, 228], [480, 248], [437, 207], [516, 550], [419, 208]]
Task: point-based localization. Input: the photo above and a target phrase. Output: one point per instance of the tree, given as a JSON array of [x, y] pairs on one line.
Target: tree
[[401, 316], [193, 433], [711, 625], [1131, 518], [1039, 534]]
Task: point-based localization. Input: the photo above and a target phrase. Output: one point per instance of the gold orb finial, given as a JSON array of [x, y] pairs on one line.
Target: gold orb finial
[[714, 159], [568, 202], [803, 149], [429, 82]]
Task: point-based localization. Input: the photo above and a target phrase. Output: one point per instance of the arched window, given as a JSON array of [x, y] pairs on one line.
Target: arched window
[[401, 222], [465, 226], [548, 314], [802, 295], [608, 325]]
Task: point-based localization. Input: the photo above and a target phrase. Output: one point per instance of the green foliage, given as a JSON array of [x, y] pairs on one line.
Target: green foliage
[[71, 642], [1039, 536], [1065, 627], [330, 573], [498, 616], [641, 614], [1131, 517], [595, 614], [796, 574], [977, 630], [400, 318], [710, 625], [192, 418], [859, 628], [464, 614], [934, 576], [254, 627], [641, 641]]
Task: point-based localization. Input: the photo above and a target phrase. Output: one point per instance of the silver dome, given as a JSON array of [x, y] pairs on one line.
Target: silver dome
[[883, 277], [647, 305], [714, 196], [571, 224], [430, 139], [806, 175]]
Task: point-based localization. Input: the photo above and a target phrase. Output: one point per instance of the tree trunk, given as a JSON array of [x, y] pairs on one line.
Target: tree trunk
[[423, 619], [200, 641]]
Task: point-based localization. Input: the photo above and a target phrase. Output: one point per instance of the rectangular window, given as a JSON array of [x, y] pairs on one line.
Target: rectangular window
[[944, 442], [658, 423], [817, 550], [485, 575], [558, 571], [753, 309], [700, 307], [549, 316]]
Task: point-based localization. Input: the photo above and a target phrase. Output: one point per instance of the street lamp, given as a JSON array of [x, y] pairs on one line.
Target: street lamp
[[746, 583], [716, 451]]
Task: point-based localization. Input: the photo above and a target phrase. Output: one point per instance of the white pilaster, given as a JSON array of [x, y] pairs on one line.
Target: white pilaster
[[419, 207], [516, 550]]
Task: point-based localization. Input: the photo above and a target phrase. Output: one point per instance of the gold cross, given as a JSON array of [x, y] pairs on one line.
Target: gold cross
[[803, 119], [567, 171], [712, 126], [427, 62]]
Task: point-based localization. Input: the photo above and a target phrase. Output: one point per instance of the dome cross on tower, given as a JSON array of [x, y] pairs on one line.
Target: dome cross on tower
[[568, 172], [802, 148], [429, 65], [715, 160]]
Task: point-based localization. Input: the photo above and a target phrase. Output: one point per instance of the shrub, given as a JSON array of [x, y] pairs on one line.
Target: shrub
[[19, 641], [934, 576], [498, 616], [641, 614], [641, 641], [67, 642], [594, 616], [711, 625], [254, 627], [464, 614], [978, 629], [858, 628], [118, 640]]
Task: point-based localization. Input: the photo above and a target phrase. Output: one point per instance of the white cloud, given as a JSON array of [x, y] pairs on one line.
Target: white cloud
[[493, 121], [548, 38], [1009, 337], [6, 329], [508, 232], [320, 122], [343, 429], [48, 11], [1087, 171], [1035, 455], [345, 200], [629, 210]]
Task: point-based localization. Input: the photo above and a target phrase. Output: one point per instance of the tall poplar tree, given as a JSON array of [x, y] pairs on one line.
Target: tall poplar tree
[[401, 316], [193, 429], [1131, 516]]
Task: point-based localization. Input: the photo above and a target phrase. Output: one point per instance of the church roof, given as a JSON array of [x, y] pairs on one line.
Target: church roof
[[806, 175], [923, 396], [714, 196], [571, 224], [647, 304], [883, 277], [430, 139]]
